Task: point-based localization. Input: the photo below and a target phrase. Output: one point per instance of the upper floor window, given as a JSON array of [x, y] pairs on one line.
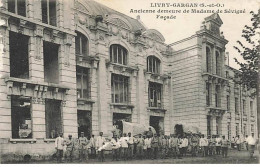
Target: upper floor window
[[236, 105], [119, 88], [228, 102], [17, 7], [153, 64], [218, 64], [118, 54], [83, 84], [19, 57], [244, 106], [218, 96], [81, 44], [155, 94], [208, 93], [49, 12], [251, 108], [208, 59]]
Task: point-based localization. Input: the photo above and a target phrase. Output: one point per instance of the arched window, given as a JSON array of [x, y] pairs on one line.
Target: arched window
[[118, 54], [81, 45], [208, 59], [218, 64], [153, 64]]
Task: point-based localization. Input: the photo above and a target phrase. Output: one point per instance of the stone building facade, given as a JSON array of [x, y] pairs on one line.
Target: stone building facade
[[79, 66]]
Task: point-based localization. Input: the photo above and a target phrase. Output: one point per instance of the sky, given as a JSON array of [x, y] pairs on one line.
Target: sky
[[186, 24]]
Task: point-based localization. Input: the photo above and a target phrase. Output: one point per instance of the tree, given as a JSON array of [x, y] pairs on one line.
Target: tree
[[250, 52]]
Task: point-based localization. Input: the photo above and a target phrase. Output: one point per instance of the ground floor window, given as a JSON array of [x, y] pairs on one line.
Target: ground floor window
[[237, 129], [208, 125], [229, 130], [53, 118], [84, 123], [21, 117], [157, 123]]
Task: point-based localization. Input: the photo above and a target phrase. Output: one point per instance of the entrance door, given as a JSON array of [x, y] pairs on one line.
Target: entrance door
[[157, 123], [84, 123]]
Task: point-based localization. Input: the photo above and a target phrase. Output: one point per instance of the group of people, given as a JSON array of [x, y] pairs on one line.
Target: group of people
[[149, 146]]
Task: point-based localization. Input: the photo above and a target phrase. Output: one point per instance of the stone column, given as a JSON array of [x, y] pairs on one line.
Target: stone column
[[213, 123], [37, 9], [204, 55], [133, 94], [38, 120], [102, 96], [36, 64], [140, 91], [213, 60], [94, 97], [165, 104]]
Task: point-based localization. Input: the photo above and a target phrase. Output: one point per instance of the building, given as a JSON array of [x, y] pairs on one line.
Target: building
[[80, 66]]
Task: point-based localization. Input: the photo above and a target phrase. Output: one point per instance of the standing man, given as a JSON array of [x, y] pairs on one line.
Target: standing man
[[124, 146], [194, 145], [163, 146], [174, 145], [83, 147], [99, 143], [130, 146], [251, 145], [203, 144], [69, 149], [224, 146], [238, 143], [218, 144], [139, 147], [150, 133], [149, 147], [59, 146], [92, 143], [246, 142], [185, 144], [155, 146], [115, 147]]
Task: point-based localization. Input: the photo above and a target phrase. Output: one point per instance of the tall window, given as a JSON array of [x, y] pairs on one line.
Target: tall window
[[118, 54], [119, 89], [155, 94], [49, 12], [244, 130], [209, 125], [21, 117], [229, 130], [208, 59], [81, 45], [237, 129], [83, 85], [17, 7], [251, 108], [218, 125], [244, 106], [218, 96], [228, 102], [252, 128], [218, 64], [153, 64], [19, 57], [53, 118], [51, 62], [208, 93], [236, 105]]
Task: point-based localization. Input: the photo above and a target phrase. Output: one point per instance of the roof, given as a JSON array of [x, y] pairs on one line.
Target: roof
[[214, 17], [95, 8]]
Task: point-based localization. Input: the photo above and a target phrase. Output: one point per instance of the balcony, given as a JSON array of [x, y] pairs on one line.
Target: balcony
[[214, 111]]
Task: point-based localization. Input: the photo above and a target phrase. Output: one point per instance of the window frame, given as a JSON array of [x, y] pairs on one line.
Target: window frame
[[48, 12], [153, 64], [155, 90], [83, 75], [16, 8], [117, 51], [81, 38], [120, 93]]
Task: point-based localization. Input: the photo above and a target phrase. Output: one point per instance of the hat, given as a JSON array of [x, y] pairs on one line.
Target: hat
[[70, 135]]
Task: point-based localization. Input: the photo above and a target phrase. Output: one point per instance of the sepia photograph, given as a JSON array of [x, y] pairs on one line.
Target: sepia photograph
[[129, 82]]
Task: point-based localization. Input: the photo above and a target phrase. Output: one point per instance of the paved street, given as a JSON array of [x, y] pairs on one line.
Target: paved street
[[234, 157]]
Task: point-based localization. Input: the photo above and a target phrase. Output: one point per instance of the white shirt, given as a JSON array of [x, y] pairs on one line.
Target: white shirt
[[218, 141], [100, 141], [123, 141], [204, 142], [148, 142], [130, 140], [59, 143], [251, 140], [184, 142]]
